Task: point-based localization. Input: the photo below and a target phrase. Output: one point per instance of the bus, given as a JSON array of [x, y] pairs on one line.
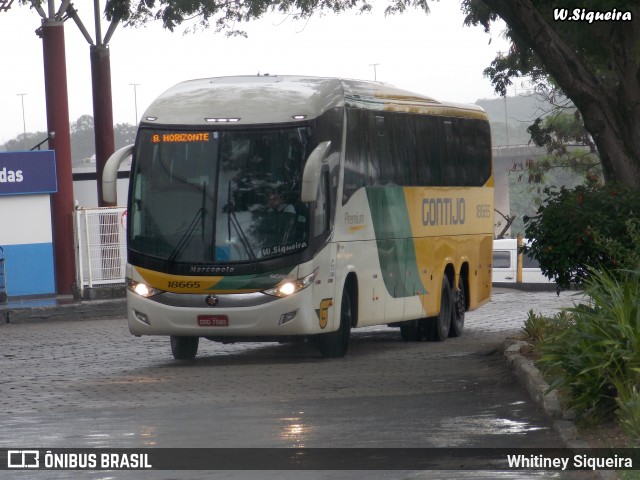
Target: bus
[[277, 208]]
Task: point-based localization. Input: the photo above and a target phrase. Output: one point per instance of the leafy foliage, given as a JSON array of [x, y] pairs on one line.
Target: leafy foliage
[[224, 15], [596, 358], [586, 226], [25, 141], [82, 138], [593, 64], [560, 129], [628, 412], [538, 327]]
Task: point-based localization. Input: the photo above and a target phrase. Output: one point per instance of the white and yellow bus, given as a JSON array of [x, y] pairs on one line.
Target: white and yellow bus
[[284, 207]]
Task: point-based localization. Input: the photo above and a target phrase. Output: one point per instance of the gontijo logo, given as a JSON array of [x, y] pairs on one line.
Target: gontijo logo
[[443, 211]]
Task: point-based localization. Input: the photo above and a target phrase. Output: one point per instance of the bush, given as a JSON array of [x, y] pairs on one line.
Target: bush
[[628, 412], [596, 359], [590, 225], [538, 327]]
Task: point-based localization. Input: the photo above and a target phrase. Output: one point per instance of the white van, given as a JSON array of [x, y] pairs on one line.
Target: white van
[[505, 264]]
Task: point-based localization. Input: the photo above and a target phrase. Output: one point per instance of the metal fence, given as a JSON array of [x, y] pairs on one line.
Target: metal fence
[[101, 253]]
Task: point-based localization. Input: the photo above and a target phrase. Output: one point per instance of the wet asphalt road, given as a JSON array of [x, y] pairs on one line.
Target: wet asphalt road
[[90, 384]]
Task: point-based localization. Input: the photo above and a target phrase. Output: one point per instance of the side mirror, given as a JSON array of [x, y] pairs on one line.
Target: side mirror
[[311, 173], [110, 174]]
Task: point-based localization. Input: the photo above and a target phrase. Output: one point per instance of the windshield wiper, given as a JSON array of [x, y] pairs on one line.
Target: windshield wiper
[[186, 237], [233, 220]]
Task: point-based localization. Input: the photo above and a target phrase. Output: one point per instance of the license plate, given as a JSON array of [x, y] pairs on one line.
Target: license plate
[[213, 321]]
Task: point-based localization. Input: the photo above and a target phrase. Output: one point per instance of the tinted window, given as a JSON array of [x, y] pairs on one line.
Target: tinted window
[[501, 259], [392, 148]]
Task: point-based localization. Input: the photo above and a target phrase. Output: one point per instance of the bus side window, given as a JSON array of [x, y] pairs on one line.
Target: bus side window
[[322, 210], [427, 151], [450, 163]]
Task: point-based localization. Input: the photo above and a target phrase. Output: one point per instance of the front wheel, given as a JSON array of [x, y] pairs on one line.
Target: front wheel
[[336, 344], [184, 348]]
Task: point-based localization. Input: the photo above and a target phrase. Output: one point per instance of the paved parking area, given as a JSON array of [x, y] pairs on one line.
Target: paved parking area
[[42, 361], [89, 383]]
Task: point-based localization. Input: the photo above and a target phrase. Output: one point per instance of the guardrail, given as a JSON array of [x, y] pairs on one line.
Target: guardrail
[[100, 247]]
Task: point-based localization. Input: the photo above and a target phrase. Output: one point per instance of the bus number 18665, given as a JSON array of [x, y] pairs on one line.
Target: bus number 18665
[[483, 210]]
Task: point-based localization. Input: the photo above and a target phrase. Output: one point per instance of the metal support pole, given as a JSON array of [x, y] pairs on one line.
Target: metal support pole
[[24, 123], [102, 112], [55, 82], [520, 244]]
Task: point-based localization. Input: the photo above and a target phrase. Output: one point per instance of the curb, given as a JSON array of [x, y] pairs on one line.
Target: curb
[[527, 373], [82, 310]]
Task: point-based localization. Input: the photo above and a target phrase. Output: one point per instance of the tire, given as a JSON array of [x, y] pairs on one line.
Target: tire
[[442, 322], [335, 344], [184, 348], [411, 331], [459, 308]]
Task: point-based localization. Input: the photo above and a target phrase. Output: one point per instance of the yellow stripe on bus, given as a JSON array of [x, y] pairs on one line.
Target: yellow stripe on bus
[[178, 283]]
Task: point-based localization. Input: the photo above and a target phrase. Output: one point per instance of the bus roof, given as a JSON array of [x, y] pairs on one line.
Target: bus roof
[[282, 99]]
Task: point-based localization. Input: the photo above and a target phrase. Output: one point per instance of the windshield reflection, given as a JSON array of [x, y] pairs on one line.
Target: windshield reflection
[[220, 196]]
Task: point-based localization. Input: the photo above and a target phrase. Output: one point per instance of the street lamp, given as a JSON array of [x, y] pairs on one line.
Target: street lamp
[[24, 122], [375, 72], [135, 99]]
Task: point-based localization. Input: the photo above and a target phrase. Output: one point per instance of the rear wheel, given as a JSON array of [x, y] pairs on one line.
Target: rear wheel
[[459, 309], [442, 323], [184, 348], [336, 344]]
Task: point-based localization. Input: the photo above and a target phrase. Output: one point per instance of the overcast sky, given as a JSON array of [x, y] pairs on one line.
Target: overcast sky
[[431, 54]]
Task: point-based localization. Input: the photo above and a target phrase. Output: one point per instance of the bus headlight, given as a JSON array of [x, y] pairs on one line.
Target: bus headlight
[[291, 287], [142, 289]]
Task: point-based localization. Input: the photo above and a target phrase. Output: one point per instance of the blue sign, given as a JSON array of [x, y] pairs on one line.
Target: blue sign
[[28, 172]]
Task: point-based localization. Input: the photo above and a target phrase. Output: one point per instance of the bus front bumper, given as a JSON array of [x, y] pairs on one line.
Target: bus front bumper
[[234, 315]]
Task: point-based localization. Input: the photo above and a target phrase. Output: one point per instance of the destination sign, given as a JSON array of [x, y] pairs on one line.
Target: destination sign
[[181, 137]]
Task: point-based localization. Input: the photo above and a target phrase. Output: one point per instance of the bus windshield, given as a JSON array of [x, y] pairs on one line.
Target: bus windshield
[[205, 196]]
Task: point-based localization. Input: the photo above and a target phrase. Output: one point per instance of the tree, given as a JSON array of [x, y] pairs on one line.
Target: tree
[[591, 226], [26, 141], [124, 134], [594, 61], [225, 16], [82, 137], [569, 145]]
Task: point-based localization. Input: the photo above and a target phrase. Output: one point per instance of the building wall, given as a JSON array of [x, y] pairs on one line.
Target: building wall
[[25, 236]]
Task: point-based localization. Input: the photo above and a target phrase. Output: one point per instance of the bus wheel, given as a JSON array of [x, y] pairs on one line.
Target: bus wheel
[[184, 348], [411, 331], [459, 308], [442, 323], [335, 344]]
